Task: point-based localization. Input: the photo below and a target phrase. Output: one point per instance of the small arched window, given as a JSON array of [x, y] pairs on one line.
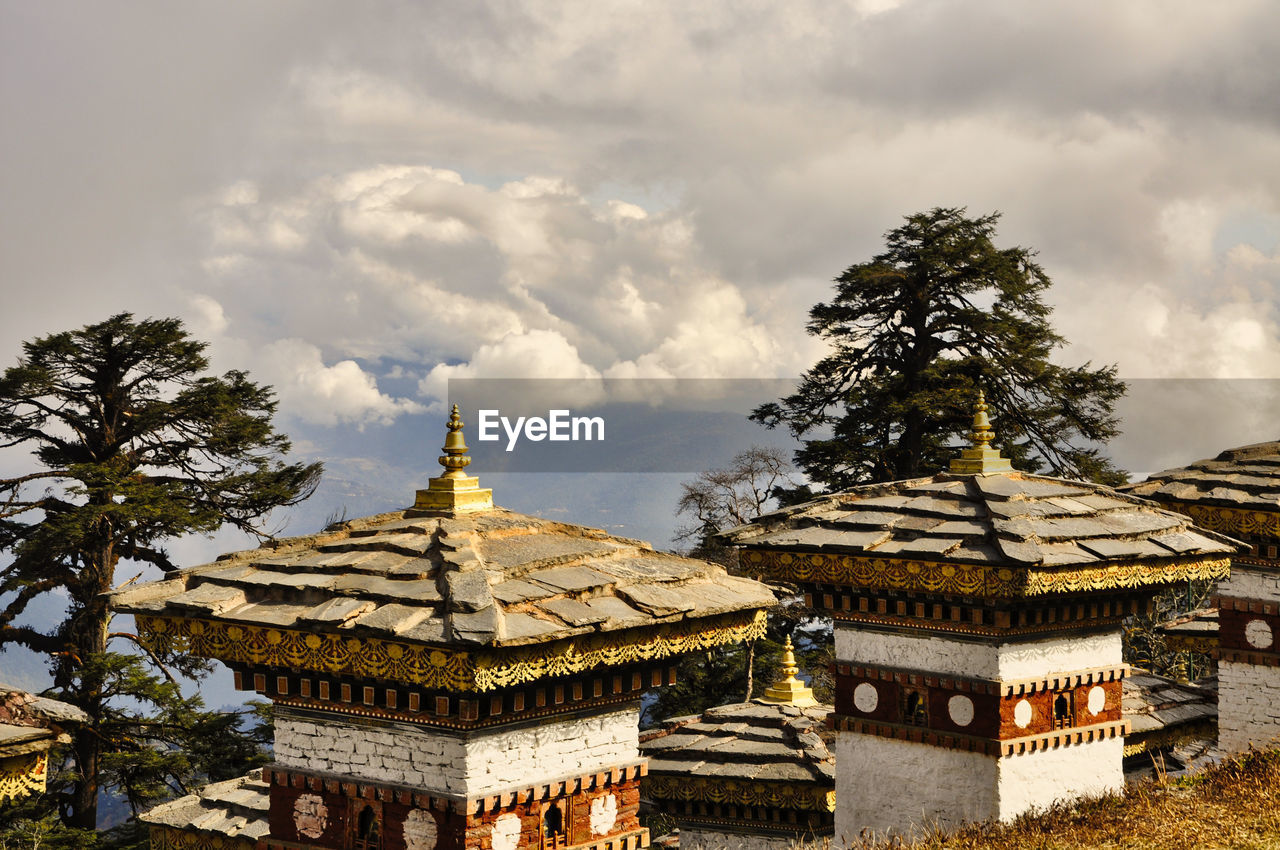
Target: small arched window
[[1062, 713], [553, 827], [916, 711], [368, 830]]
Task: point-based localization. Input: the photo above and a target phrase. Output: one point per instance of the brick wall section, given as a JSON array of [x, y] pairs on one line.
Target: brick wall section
[[469, 764], [627, 796], [1251, 583], [1248, 694], [1248, 705]]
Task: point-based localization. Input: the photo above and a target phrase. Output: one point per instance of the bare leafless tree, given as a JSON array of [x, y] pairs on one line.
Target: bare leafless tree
[[731, 495]]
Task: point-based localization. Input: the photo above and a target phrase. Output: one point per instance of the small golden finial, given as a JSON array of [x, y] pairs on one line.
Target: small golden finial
[[789, 689], [453, 492], [454, 459], [982, 433], [980, 458]]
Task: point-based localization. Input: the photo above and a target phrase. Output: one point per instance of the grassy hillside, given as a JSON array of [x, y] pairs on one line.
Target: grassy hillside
[[1235, 804]]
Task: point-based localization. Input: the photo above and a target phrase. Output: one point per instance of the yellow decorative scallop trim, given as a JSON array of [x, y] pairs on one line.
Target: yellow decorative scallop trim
[[1229, 520], [1122, 576], [935, 577], [972, 579], [438, 667], [744, 792], [23, 775]]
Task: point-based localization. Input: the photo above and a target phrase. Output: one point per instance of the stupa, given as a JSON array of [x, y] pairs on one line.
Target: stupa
[[452, 675], [978, 631], [756, 775], [1237, 493], [29, 727]]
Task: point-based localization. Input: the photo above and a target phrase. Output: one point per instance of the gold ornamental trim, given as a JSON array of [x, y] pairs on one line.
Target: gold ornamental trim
[[437, 667], [743, 792], [23, 775], [169, 838], [972, 579], [1123, 576], [1229, 520]]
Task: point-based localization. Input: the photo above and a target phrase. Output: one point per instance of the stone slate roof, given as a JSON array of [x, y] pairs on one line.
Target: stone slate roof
[[1158, 708], [1009, 519], [1247, 477], [1195, 630], [492, 577], [234, 809], [30, 724], [746, 742]]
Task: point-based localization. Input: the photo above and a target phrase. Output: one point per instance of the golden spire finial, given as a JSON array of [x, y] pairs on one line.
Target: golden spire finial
[[453, 492], [982, 433], [980, 458], [789, 689], [454, 459]]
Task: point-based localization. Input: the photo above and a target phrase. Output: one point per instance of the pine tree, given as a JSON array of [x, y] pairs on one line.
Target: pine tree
[[133, 443], [914, 333]]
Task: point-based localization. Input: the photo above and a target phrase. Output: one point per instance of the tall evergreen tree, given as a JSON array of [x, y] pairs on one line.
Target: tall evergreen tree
[[133, 443], [914, 332]]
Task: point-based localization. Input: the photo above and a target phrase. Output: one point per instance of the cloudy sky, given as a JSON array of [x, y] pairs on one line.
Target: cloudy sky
[[359, 201]]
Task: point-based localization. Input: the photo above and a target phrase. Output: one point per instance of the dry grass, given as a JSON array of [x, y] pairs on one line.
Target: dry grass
[[1235, 804]]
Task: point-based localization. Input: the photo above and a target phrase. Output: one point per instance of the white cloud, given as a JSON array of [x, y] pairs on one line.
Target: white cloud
[[530, 279], [209, 320], [535, 354], [327, 395], [651, 189]]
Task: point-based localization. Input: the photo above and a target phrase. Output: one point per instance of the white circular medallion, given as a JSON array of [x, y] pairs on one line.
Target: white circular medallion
[[1022, 714], [961, 710], [604, 814], [1258, 633], [310, 816], [420, 830], [505, 834], [1097, 699], [865, 698]]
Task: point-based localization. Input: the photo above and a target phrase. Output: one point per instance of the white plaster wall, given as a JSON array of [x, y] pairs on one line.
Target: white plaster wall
[[949, 657], [889, 787], [1248, 705], [1059, 655], [922, 652], [475, 763], [701, 839], [1246, 583], [1037, 780]]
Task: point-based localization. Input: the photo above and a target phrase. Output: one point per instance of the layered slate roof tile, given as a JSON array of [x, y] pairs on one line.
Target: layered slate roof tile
[[489, 578], [753, 741], [767, 760], [1163, 712], [231, 813], [1247, 477], [1196, 631], [762, 756], [1009, 518]]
